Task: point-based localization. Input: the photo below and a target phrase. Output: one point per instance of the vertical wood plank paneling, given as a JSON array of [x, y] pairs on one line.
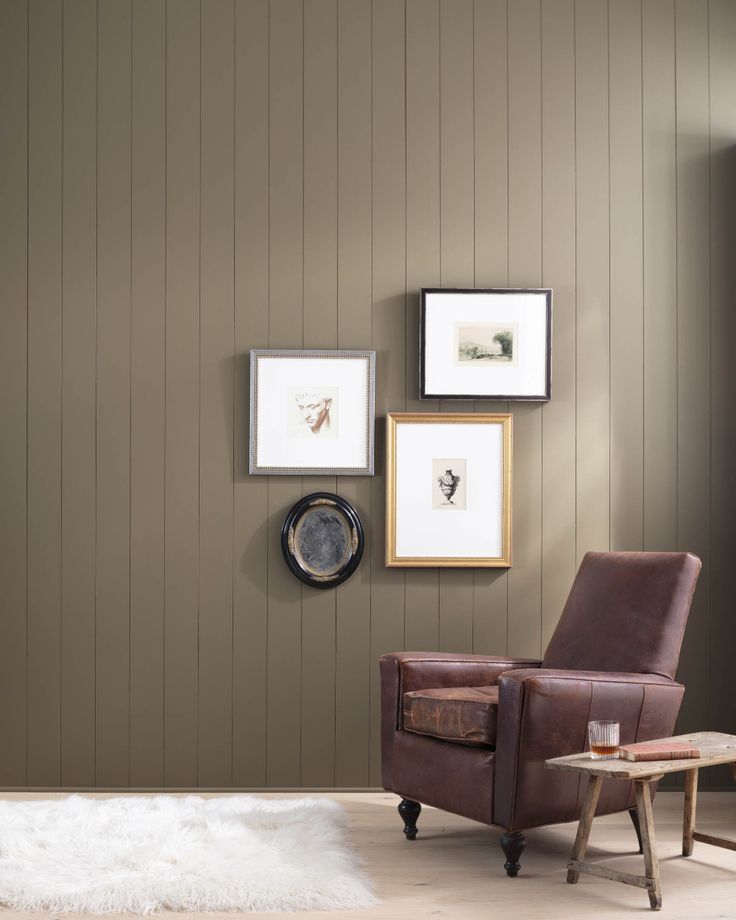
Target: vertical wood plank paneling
[[13, 391], [693, 338], [317, 693], [320, 175], [627, 282], [389, 319], [44, 390], [660, 274], [147, 392], [354, 665], [159, 218], [250, 586], [113, 393], [491, 172], [525, 270], [285, 331], [320, 331], [78, 397], [558, 261], [722, 49], [457, 252], [182, 392], [421, 630], [214, 741], [491, 162], [592, 276], [457, 198]]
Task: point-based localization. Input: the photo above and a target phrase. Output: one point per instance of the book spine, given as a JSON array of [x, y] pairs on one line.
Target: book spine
[[643, 756]]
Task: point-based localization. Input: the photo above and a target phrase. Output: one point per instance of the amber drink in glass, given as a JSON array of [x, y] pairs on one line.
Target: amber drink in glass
[[603, 740]]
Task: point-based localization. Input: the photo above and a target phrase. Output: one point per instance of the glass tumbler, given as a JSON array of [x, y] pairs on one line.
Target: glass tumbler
[[603, 740]]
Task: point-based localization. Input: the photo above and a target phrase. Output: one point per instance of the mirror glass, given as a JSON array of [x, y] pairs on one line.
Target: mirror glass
[[322, 540]]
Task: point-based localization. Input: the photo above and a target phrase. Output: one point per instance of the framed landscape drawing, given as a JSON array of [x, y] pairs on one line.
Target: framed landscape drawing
[[448, 489], [490, 343], [312, 412]]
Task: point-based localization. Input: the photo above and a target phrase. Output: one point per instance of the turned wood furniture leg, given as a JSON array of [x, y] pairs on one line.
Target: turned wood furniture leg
[[688, 822], [592, 792], [646, 820], [634, 815], [409, 812], [512, 844]]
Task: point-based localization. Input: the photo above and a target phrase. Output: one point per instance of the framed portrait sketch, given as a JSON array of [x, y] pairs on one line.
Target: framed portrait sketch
[[312, 412], [448, 489], [491, 343]]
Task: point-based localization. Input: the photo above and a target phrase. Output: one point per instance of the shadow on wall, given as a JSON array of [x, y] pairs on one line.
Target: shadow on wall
[[236, 374], [251, 562], [706, 413], [723, 430]]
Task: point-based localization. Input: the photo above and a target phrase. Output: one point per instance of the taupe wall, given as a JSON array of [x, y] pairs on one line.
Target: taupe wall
[[182, 182]]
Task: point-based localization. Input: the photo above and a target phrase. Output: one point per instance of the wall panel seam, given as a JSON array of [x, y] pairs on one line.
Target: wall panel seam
[[130, 401], [28, 237]]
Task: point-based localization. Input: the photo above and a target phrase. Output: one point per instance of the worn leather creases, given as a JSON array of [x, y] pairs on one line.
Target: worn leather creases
[[466, 715]]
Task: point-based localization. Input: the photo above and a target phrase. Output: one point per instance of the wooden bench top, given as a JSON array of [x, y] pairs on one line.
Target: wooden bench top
[[715, 747]]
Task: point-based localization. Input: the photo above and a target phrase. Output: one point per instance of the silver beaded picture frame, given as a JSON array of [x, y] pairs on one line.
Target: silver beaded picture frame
[[312, 412]]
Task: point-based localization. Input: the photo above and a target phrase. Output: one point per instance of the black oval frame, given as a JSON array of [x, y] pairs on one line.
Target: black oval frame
[[356, 532]]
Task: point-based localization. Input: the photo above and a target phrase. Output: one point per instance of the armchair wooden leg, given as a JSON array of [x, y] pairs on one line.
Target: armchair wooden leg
[[409, 812], [634, 815], [512, 845]]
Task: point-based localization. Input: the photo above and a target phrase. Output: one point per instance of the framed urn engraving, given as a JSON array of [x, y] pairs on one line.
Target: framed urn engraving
[[311, 412], [485, 343], [448, 489]]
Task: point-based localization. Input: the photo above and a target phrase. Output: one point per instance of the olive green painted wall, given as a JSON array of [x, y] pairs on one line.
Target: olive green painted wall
[[182, 181]]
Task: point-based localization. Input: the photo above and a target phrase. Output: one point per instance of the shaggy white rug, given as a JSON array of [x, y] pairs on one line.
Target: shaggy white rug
[[143, 854]]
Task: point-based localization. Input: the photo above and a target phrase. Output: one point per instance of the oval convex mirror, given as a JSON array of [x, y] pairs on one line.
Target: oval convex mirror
[[322, 540]]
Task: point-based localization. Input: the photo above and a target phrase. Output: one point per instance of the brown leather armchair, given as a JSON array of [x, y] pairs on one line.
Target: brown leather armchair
[[470, 733]]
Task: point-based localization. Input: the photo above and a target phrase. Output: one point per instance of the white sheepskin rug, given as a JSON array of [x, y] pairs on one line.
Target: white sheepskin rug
[[142, 854]]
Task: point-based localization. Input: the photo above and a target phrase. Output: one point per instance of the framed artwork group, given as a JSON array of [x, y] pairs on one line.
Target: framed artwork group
[[448, 475]]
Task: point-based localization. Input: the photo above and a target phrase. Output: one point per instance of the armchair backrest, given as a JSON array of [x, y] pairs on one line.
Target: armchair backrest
[[625, 612]]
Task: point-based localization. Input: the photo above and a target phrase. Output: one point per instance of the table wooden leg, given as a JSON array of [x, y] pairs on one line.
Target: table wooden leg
[[688, 821], [592, 792], [690, 833], [646, 820]]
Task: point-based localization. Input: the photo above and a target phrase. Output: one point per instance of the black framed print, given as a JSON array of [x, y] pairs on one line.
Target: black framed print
[[485, 343]]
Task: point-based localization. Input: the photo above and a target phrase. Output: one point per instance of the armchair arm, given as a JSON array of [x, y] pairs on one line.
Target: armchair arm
[[404, 671], [544, 713]]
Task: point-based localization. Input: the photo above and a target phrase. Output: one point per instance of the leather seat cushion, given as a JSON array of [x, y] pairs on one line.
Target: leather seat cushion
[[464, 715]]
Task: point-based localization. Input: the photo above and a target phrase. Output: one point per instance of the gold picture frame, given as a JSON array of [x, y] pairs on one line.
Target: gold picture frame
[[473, 526]]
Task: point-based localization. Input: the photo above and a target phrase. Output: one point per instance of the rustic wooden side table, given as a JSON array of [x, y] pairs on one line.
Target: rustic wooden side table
[[715, 748]]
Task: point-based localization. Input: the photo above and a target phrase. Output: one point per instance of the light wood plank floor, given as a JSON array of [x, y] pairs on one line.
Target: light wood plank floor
[[454, 869]]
